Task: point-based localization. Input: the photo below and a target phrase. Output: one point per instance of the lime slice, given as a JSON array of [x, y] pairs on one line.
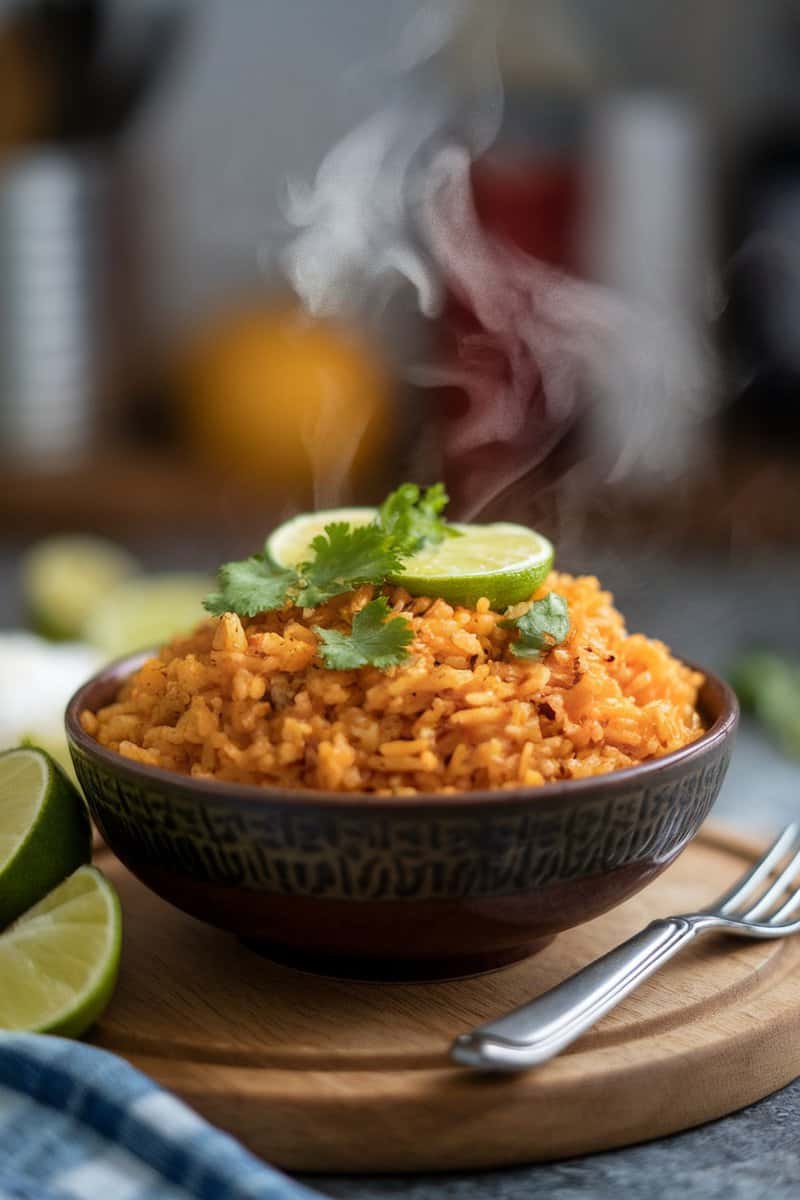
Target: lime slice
[[289, 544], [59, 962], [505, 563], [62, 578], [146, 612], [44, 829]]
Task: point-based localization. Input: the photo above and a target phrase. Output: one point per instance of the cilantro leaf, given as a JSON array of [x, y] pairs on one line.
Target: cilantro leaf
[[544, 625], [250, 586], [340, 559], [372, 640], [344, 558], [412, 517]]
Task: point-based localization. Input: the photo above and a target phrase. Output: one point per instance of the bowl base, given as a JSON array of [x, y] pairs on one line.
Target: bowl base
[[394, 970]]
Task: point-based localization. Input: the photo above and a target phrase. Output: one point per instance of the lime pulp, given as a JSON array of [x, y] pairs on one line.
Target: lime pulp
[[289, 544], [59, 962], [504, 563]]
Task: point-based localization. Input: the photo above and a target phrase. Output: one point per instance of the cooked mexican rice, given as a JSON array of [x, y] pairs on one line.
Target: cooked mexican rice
[[248, 700]]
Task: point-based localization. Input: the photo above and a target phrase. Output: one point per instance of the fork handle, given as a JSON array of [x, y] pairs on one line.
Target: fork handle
[[537, 1031]]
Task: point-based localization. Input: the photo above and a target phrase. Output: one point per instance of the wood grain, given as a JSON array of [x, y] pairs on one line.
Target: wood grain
[[322, 1074]]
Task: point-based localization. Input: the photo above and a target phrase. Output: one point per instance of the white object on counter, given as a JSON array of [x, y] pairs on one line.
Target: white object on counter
[[37, 679]]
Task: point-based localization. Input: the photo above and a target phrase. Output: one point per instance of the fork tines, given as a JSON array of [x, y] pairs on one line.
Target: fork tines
[[748, 901]]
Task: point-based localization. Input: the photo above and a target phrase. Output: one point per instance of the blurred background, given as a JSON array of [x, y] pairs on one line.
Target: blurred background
[[229, 292]]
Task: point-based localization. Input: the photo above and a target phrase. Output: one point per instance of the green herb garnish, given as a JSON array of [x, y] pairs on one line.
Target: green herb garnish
[[544, 625], [345, 557], [372, 640], [249, 587], [413, 518], [342, 558]]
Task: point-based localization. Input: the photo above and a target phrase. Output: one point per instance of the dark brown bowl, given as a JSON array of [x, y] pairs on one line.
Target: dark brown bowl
[[375, 886]]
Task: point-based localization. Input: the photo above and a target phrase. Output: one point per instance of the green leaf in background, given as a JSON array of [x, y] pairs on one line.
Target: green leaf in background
[[768, 686]]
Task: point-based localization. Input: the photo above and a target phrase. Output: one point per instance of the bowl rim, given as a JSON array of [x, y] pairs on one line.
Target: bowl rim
[[260, 794]]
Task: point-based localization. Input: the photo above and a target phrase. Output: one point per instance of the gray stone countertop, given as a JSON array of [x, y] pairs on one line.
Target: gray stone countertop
[[706, 608]]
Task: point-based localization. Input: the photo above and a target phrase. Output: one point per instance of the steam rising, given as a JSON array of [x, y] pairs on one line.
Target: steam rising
[[392, 203], [353, 222], [549, 344]]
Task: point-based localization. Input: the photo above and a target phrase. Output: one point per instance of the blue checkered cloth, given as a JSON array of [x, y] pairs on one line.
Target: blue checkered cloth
[[77, 1123]]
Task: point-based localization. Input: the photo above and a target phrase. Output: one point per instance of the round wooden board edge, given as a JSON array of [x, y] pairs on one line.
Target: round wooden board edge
[[490, 1119]]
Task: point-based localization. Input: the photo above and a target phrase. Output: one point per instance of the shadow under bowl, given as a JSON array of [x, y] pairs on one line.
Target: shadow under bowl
[[369, 886]]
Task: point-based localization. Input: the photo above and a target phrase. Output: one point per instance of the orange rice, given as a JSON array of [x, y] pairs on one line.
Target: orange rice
[[249, 701]]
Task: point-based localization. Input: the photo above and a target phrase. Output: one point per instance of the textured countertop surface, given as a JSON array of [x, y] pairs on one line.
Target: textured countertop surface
[[706, 608]]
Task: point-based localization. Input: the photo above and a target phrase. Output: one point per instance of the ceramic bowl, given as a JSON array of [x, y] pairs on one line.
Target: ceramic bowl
[[389, 887]]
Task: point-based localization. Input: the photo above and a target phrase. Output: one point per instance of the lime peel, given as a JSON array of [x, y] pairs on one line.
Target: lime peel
[[503, 562], [45, 832]]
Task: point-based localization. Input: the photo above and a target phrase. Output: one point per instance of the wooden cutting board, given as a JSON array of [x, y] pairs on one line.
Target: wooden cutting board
[[319, 1074]]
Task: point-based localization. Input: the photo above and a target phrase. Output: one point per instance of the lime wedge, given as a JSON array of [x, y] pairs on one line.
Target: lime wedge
[[62, 578], [59, 962], [44, 830], [505, 563], [145, 612], [290, 542]]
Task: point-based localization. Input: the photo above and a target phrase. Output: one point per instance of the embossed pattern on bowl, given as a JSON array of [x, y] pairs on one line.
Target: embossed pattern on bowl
[[423, 886]]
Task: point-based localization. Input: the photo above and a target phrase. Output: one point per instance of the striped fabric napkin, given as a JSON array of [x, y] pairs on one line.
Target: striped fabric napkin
[[77, 1123]]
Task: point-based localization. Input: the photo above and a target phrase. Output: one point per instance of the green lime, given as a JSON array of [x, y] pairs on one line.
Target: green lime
[[62, 578], [44, 829], [290, 542], [59, 961], [145, 612], [505, 563]]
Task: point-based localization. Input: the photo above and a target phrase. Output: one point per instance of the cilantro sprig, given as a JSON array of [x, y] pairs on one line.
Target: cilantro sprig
[[372, 640], [544, 625], [413, 518], [249, 587], [345, 557], [341, 558]]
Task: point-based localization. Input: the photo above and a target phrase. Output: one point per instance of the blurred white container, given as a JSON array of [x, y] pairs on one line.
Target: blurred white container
[[647, 236], [51, 247]]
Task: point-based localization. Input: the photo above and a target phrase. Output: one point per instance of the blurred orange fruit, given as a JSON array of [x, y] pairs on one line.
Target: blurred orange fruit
[[281, 399]]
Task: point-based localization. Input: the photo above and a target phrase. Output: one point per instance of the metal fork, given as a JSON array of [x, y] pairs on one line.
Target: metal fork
[[537, 1031]]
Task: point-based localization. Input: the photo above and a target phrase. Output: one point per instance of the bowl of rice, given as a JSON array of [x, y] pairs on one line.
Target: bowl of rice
[[448, 814]]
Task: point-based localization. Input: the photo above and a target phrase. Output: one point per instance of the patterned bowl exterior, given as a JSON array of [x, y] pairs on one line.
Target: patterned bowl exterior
[[399, 887]]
